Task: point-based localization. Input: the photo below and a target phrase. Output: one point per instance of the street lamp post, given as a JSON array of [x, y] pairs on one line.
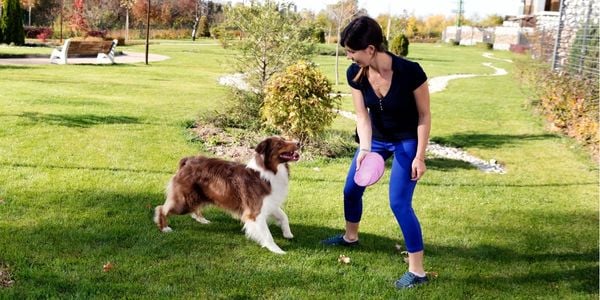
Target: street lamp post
[[147, 31], [62, 8]]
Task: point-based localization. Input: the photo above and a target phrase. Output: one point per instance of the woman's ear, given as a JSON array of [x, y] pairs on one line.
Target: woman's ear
[[371, 50]]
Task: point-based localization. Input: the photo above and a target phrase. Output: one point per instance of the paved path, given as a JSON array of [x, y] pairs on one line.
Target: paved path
[[126, 58]]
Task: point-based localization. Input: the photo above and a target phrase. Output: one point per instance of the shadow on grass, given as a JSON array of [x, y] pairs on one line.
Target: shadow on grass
[[74, 120], [445, 164], [516, 185], [14, 67], [47, 166], [63, 254], [67, 102], [429, 59], [462, 140], [544, 254]]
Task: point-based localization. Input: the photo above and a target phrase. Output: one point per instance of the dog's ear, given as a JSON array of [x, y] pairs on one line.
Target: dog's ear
[[183, 161], [263, 147]]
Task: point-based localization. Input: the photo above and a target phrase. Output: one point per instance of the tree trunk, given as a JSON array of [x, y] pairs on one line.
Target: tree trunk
[[127, 25]]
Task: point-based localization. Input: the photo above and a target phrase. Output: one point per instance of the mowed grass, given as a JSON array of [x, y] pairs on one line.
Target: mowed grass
[[85, 153]]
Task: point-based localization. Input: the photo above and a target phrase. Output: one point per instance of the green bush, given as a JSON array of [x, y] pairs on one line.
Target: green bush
[[298, 102], [319, 35], [399, 45], [204, 29], [485, 46]]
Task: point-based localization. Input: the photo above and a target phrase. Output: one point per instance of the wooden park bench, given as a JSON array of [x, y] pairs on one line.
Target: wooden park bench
[[103, 50]]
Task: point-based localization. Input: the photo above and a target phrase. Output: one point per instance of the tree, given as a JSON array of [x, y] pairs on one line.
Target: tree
[[270, 40], [29, 4], [491, 21], [197, 18], [127, 4], [78, 22], [435, 25], [341, 12], [411, 29], [44, 12], [11, 24]]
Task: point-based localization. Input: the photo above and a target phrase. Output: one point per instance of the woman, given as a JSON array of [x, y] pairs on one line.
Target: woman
[[391, 101]]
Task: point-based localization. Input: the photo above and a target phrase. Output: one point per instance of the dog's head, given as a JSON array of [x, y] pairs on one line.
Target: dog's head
[[276, 150]]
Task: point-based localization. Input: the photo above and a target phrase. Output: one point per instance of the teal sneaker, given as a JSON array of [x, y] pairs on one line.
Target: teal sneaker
[[410, 280], [338, 240]]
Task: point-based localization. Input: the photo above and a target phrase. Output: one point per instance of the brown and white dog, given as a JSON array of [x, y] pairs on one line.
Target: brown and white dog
[[252, 192]]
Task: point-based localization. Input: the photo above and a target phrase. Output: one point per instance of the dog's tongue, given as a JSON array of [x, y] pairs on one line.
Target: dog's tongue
[[294, 156]]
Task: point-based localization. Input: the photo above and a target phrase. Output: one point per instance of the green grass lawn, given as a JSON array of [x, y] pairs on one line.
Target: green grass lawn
[[86, 151]]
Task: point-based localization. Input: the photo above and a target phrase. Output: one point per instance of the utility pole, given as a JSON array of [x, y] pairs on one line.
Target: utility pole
[[459, 14], [337, 45], [62, 8], [147, 31], [389, 23]]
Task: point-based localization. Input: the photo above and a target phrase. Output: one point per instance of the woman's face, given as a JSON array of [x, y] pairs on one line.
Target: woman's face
[[361, 57]]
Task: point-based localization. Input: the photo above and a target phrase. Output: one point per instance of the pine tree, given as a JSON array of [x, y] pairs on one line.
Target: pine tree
[[11, 23]]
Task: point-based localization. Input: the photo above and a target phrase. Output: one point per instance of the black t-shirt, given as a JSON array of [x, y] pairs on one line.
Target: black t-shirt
[[399, 118]]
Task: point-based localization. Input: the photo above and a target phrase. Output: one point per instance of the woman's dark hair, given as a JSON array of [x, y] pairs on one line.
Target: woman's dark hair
[[362, 32]]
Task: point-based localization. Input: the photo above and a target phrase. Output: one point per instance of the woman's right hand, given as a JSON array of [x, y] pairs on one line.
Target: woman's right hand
[[361, 155]]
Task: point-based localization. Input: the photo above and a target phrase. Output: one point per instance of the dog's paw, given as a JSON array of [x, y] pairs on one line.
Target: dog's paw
[[167, 229], [201, 220], [275, 249], [280, 252], [288, 235]]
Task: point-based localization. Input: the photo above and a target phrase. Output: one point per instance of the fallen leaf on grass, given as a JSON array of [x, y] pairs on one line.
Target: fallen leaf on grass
[[107, 267], [398, 247], [5, 277], [1, 201], [405, 256], [433, 275], [343, 259]]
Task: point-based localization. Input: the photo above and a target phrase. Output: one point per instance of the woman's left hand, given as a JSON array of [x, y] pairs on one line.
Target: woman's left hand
[[418, 169]]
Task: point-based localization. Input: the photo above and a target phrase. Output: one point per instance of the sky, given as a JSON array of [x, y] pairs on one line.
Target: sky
[[421, 8]]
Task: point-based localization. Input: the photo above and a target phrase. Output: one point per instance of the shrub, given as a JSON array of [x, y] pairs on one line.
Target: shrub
[[298, 101], [41, 33], [96, 33], [399, 45], [569, 103], [242, 111], [319, 36], [204, 29]]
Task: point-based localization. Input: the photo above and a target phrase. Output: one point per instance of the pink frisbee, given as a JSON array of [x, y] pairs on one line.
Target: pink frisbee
[[370, 171]]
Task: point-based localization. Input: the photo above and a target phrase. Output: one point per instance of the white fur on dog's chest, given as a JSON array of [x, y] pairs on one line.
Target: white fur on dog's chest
[[279, 184]]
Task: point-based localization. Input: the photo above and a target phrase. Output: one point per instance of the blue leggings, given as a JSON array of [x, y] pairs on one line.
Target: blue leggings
[[401, 190]]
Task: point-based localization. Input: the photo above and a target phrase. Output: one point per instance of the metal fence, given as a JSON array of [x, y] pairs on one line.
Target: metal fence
[[576, 42]]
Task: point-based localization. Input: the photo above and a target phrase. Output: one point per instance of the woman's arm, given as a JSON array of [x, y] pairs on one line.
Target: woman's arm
[[423, 129], [363, 125]]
